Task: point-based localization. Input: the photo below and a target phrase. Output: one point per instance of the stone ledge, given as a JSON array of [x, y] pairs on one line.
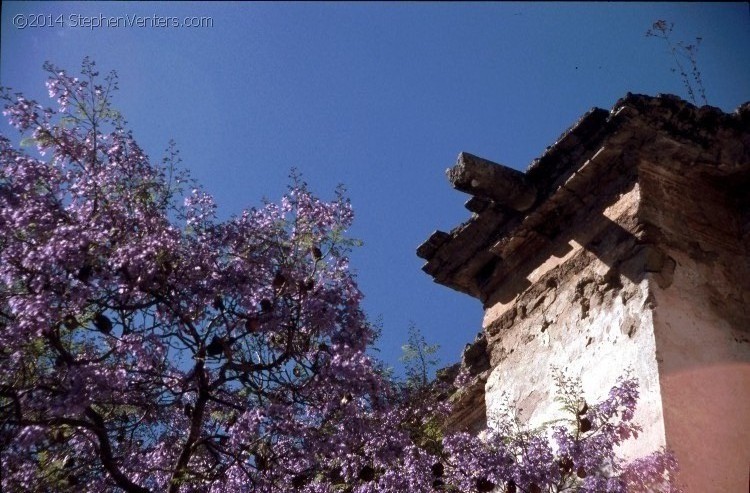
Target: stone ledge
[[516, 215]]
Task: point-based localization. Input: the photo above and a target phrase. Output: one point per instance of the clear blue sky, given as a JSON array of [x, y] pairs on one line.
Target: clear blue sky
[[379, 97]]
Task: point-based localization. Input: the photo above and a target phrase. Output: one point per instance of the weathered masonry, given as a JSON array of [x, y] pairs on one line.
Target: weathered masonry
[[626, 245]]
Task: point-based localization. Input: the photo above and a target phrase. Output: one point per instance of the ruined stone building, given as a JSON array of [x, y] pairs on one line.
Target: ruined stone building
[[626, 245]]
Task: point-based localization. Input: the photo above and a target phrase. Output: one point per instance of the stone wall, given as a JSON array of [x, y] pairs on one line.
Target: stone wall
[[583, 317], [704, 371], [625, 247]]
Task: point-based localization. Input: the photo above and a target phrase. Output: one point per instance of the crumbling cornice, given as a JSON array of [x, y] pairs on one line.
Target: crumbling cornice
[[516, 214]]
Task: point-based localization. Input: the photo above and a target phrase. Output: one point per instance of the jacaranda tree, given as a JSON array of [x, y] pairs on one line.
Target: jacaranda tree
[[146, 346]]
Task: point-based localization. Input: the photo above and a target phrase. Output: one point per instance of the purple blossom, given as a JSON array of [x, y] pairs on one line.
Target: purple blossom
[[147, 346]]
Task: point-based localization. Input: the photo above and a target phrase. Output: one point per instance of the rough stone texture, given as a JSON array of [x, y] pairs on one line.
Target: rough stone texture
[[634, 253], [702, 354], [488, 180]]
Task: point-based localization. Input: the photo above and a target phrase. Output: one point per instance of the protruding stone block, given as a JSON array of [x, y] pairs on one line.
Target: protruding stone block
[[485, 179]]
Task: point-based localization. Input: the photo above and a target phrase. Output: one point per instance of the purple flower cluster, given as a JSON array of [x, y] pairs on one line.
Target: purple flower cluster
[[147, 346]]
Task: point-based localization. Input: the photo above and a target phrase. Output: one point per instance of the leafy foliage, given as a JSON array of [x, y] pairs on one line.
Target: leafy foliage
[[418, 358]]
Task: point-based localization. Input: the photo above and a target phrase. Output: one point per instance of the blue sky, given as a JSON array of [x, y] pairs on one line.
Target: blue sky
[[378, 96]]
